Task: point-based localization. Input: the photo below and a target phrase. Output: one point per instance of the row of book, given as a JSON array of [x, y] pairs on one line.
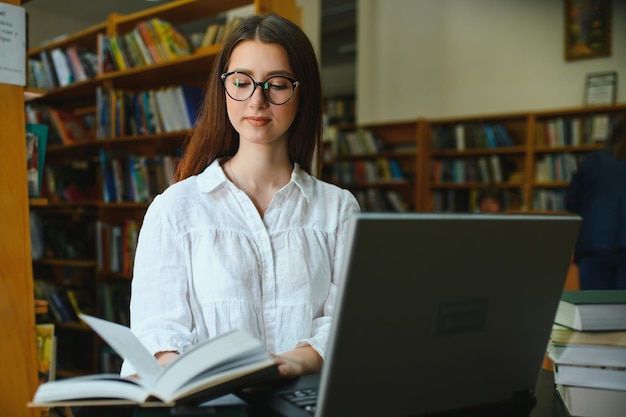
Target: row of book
[[339, 110], [116, 246], [135, 178], [484, 169], [64, 126], [64, 304], [549, 200], [164, 110], [374, 200], [60, 67], [357, 142], [114, 301], [471, 135], [556, 167], [73, 182], [466, 200], [574, 131], [588, 349], [150, 42], [365, 172], [214, 34]]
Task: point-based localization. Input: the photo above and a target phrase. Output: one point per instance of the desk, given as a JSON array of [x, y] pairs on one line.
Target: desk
[[548, 405]]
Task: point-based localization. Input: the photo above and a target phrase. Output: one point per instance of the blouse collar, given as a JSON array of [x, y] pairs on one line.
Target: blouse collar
[[213, 176]]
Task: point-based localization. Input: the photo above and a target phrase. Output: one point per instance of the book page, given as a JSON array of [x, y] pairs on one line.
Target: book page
[[126, 344], [206, 357]]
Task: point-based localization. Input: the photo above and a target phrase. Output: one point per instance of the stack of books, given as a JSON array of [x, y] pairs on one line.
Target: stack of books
[[588, 348]]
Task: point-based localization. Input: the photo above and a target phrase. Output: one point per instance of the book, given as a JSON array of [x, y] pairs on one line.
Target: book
[[62, 67], [572, 347], [592, 402], [70, 127], [46, 354], [210, 369], [59, 305], [592, 310], [76, 66], [606, 377], [36, 142], [118, 55], [80, 300]]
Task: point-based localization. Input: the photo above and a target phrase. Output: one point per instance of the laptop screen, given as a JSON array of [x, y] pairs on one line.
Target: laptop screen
[[442, 312]]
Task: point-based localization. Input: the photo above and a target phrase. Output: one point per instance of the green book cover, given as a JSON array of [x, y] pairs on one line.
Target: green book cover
[[594, 296]]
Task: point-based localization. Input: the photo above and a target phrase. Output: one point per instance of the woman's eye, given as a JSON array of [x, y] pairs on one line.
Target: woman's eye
[[241, 83], [278, 85]]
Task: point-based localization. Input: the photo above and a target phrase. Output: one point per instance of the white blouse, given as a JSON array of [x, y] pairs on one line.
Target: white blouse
[[207, 262]]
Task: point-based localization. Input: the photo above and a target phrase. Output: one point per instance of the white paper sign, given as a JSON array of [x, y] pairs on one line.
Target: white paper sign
[[12, 44]]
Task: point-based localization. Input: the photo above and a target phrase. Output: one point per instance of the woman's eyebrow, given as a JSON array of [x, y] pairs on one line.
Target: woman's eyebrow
[[269, 74]]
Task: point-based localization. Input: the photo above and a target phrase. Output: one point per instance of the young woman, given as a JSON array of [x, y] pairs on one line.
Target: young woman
[[247, 238]]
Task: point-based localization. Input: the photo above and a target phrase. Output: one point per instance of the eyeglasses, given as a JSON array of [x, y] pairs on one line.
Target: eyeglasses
[[277, 89]]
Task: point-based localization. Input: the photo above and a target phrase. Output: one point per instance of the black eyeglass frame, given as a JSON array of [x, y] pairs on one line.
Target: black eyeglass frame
[[294, 84]]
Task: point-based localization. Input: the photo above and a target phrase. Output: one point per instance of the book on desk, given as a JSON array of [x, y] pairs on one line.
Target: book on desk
[[210, 369], [589, 364]]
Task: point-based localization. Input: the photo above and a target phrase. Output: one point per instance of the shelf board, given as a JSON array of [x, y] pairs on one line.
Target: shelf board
[[474, 185], [78, 263], [37, 202], [586, 147], [477, 151]]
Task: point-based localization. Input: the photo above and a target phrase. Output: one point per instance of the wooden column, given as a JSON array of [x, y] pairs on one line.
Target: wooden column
[[17, 316]]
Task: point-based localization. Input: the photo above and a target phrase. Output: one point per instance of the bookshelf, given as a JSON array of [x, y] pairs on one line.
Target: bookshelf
[[377, 162], [529, 156], [559, 141], [545, 150], [16, 296], [104, 184], [470, 153]]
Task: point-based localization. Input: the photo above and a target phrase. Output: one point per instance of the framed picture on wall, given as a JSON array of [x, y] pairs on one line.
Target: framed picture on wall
[[601, 88], [587, 29]]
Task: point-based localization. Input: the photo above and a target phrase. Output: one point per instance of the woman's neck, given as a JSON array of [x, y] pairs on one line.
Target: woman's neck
[[259, 177]]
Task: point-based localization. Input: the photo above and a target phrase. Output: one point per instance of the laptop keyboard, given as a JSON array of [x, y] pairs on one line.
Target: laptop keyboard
[[306, 399]]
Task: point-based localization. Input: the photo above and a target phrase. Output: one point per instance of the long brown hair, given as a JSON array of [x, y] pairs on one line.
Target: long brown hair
[[213, 135]]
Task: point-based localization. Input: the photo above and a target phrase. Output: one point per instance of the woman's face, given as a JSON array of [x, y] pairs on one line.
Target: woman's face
[[255, 119]]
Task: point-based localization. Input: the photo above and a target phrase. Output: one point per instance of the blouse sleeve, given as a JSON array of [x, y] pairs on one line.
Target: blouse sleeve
[[159, 311], [321, 325]]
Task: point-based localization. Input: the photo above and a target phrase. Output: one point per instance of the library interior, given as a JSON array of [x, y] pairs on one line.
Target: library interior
[[430, 107]]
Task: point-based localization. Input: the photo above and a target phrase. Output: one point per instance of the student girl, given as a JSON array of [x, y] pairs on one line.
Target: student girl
[[247, 237]]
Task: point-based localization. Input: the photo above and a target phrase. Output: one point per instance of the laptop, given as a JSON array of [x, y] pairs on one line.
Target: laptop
[[437, 314]]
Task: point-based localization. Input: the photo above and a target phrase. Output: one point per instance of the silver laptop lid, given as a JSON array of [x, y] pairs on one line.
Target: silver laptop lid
[[441, 312]]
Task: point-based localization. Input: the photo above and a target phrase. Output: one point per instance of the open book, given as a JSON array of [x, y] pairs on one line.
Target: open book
[[212, 368]]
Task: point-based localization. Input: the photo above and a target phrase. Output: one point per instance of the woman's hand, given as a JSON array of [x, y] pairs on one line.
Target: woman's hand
[[300, 361], [166, 357]]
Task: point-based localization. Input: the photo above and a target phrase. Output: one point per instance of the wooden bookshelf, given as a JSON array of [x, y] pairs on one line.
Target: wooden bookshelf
[[444, 160], [377, 162]]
